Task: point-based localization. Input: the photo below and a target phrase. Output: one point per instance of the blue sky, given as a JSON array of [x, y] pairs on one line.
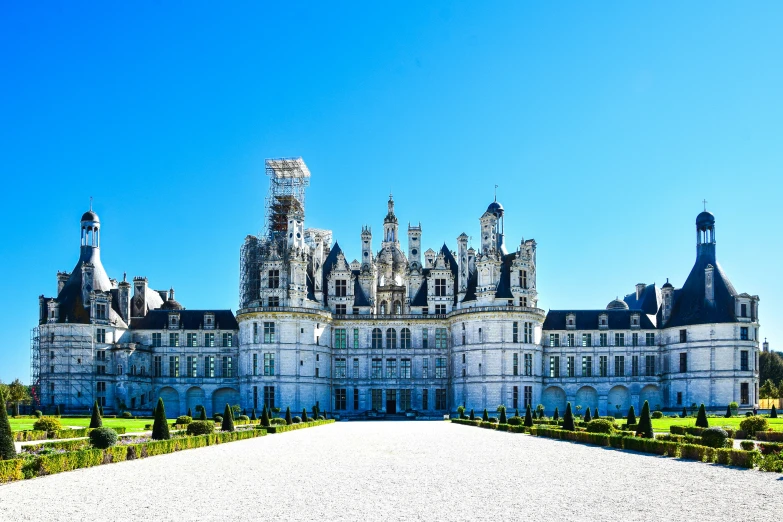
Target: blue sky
[[604, 125]]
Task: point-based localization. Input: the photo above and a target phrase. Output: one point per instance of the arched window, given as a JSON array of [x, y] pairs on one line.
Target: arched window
[[391, 338], [143, 371], [119, 369], [383, 308], [377, 338], [405, 339], [133, 370], [397, 307]]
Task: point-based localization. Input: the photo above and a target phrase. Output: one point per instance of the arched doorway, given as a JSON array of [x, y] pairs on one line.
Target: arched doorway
[[224, 396], [586, 397], [652, 394], [195, 397], [553, 397], [618, 396], [170, 398]]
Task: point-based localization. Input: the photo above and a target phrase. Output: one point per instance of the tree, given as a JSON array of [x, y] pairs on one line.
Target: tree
[[17, 393], [315, 411], [773, 413], [644, 428], [568, 419], [472, 415], [96, 421], [57, 411], [288, 419], [684, 412], [768, 390], [203, 415], [528, 416], [160, 427], [190, 413], [516, 413], [701, 418], [631, 416], [556, 415], [265, 416], [7, 448], [304, 414], [770, 367], [502, 419], [485, 416], [588, 418], [728, 412], [228, 419], [253, 415]]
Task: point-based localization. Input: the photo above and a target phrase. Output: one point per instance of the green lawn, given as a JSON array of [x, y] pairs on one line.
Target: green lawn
[[84, 422], [733, 422]]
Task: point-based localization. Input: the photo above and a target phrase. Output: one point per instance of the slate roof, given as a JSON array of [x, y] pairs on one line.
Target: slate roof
[[359, 297], [189, 320], [420, 299], [329, 263], [588, 319], [504, 285], [649, 302]]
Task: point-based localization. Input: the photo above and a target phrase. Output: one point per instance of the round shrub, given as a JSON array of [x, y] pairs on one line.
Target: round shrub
[[201, 427], [296, 420], [103, 438], [657, 414], [218, 418], [278, 421], [38, 414], [515, 421], [600, 426], [747, 445], [126, 415], [714, 437], [47, 424], [184, 419], [321, 417], [753, 424], [493, 420], [243, 418], [748, 414]]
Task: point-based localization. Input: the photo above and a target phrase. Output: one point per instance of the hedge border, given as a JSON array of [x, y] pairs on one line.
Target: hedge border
[[297, 426], [32, 435]]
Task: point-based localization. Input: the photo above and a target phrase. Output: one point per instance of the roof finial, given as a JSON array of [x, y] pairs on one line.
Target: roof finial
[[704, 201], [90, 203], [496, 192]]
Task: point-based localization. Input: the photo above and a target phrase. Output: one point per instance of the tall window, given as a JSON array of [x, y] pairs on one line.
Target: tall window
[[228, 366], [377, 368], [619, 365], [391, 338], [355, 368], [269, 364], [339, 398], [515, 333], [209, 339], [554, 339], [635, 339], [156, 340], [377, 338], [554, 366], [274, 301], [743, 311], [440, 287], [528, 364], [683, 362], [405, 369], [174, 366], [440, 367], [100, 335], [269, 396], [441, 339], [528, 398], [355, 337], [356, 398], [209, 366], [192, 339], [340, 369], [173, 339], [228, 340], [269, 332], [683, 336], [528, 332], [391, 368], [515, 397], [570, 366], [340, 341], [602, 339], [744, 393], [425, 396], [405, 338], [100, 311], [635, 365], [425, 338], [274, 279], [340, 309], [587, 339], [571, 340], [587, 366], [515, 364], [425, 368], [523, 279], [255, 332], [649, 339], [192, 369], [340, 288], [744, 360], [255, 364], [619, 339], [440, 309], [157, 365], [603, 365], [649, 365], [440, 399], [743, 333], [377, 399], [405, 400]]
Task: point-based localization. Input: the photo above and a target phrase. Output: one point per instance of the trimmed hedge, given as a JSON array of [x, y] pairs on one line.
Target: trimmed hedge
[[31, 435], [770, 436], [299, 426]]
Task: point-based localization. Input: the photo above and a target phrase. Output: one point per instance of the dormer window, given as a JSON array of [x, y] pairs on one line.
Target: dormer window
[[100, 311], [340, 288], [209, 321], [743, 310], [274, 279], [174, 321], [571, 321], [635, 320], [603, 321]]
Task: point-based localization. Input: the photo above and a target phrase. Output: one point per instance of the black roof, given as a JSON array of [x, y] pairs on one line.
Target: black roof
[[588, 319], [188, 319], [420, 299], [504, 285], [329, 263], [359, 297], [90, 216]]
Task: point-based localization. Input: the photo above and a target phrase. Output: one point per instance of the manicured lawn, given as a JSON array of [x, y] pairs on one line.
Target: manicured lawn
[[84, 422], [733, 422]]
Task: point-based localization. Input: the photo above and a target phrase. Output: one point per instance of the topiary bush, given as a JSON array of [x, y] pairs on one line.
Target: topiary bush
[[568, 419], [528, 417], [644, 427], [126, 415], [515, 421], [588, 417], [600, 426], [485, 416], [296, 420], [751, 425], [7, 448], [228, 419], [38, 414], [201, 427], [95, 420], [160, 428], [253, 415], [183, 419], [103, 438], [773, 413], [556, 414], [217, 418], [493, 420], [747, 445], [47, 424], [472, 415], [657, 414], [304, 415], [701, 418], [502, 419], [203, 414], [265, 417], [728, 412], [631, 418], [714, 437], [243, 418], [288, 419], [278, 422]]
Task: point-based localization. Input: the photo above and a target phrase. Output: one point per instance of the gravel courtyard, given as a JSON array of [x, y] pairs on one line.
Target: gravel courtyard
[[397, 471]]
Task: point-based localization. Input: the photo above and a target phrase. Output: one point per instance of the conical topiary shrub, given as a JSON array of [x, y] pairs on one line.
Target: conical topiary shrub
[[596, 415], [472, 415], [288, 419], [701, 418], [528, 417], [304, 415], [568, 419], [160, 428], [556, 414], [728, 412], [190, 413], [203, 415], [516, 413], [631, 416], [7, 448], [95, 420], [265, 417], [57, 411], [773, 413], [644, 428], [588, 417], [684, 412], [485, 416], [502, 419], [228, 419], [253, 415]]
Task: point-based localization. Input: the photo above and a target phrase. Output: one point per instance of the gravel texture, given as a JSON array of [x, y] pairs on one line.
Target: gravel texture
[[397, 471]]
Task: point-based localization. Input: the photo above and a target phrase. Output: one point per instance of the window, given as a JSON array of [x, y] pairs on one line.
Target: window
[[269, 332], [743, 311], [228, 340], [405, 400], [683, 336], [554, 339], [683, 362], [100, 311], [192, 366], [340, 309], [515, 364], [528, 332], [603, 366], [209, 339], [425, 399], [339, 398], [192, 339], [377, 368], [101, 386], [355, 368], [425, 368], [156, 340], [440, 309], [255, 364], [587, 339], [440, 399], [340, 341], [515, 397], [603, 340], [356, 398], [274, 301], [101, 355], [377, 338], [440, 287], [570, 366], [209, 366], [649, 339], [274, 279], [528, 398], [679, 398], [744, 360], [157, 365], [424, 310], [554, 366], [635, 339], [649, 365], [355, 310], [405, 339], [619, 365], [744, 395], [340, 370], [269, 364], [515, 333], [440, 367], [173, 339], [355, 337], [587, 366], [377, 399], [425, 338], [269, 396], [340, 289], [528, 364], [174, 366], [391, 368], [441, 339], [523, 279], [743, 333], [635, 366], [100, 335], [391, 338], [405, 369], [255, 332], [228, 366], [619, 339], [570, 340]]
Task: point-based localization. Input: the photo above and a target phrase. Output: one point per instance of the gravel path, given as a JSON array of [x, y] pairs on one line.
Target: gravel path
[[397, 471]]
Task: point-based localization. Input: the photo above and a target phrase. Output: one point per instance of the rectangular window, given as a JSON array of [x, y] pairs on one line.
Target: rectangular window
[[274, 279], [440, 287], [255, 332], [425, 338], [269, 332], [100, 335], [744, 360], [554, 339], [571, 341], [619, 365], [228, 366], [192, 339], [587, 366], [391, 368], [528, 331], [683, 362], [619, 339], [587, 339], [340, 341], [173, 339], [570, 365], [515, 333], [356, 398], [340, 369], [269, 364], [440, 309], [405, 400], [341, 288], [255, 396], [441, 339], [440, 399], [515, 364], [274, 301], [340, 309], [377, 368], [554, 366], [192, 368], [377, 399], [440, 367], [228, 340], [679, 398], [683, 336], [603, 339], [425, 399], [603, 365], [528, 398], [355, 337], [649, 339], [743, 333], [174, 366], [356, 368], [635, 339], [515, 397], [157, 366], [377, 338], [635, 366], [339, 398], [528, 357], [156, 340], [255, 364], [743, 311], [405, 339], [405, 369], [209, 366], [209, 339], [649, 365], [101, 386], [269, 396], [100, 311], [425, 368], [744, 393]]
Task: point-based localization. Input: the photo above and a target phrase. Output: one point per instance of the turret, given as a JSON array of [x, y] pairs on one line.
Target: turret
[[366, 246], [414, 246], [463, 265], [390, 224], [295, 239], [705, 236], [667, 296]]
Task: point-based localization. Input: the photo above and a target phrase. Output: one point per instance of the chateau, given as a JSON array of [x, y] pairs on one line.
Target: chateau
[[399, 331]]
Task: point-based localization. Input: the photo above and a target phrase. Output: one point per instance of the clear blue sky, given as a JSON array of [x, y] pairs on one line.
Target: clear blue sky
[[604, 125]]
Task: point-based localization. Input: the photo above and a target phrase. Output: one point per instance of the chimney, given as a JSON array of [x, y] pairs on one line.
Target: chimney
[[639, 290], [124, 300], [709, 287]]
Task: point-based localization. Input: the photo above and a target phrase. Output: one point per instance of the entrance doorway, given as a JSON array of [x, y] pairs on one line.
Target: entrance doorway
[[391, 401]]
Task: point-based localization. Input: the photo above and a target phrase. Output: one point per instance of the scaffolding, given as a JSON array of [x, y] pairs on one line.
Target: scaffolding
[[61, 366]]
